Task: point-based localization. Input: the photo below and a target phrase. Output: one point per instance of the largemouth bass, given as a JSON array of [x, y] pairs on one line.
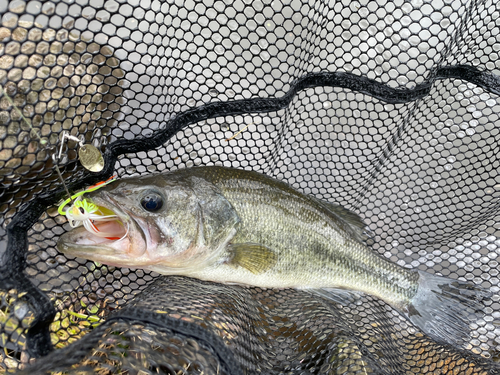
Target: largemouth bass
[[234, 226]]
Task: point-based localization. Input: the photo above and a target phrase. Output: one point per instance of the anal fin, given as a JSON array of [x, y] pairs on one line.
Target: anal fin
[[341, 296]]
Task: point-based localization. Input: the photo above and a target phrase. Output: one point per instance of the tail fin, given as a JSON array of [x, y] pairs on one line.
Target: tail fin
[[444, 308]]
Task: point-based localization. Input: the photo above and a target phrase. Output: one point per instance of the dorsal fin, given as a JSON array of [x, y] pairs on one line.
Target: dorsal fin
[[354, 225]]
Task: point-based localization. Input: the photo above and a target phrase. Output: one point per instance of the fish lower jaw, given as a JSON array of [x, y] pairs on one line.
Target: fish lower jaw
[[124, 247], [81, 238]]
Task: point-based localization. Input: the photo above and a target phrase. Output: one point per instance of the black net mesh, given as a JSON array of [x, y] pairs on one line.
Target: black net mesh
[[388, 108]]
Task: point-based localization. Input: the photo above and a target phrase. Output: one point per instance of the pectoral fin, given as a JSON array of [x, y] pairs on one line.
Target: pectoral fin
[[254, 257]]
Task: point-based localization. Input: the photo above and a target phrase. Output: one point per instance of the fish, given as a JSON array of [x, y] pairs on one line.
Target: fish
[[236, 226]]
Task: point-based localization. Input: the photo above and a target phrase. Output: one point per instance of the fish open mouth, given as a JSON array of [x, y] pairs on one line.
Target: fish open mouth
[[104, 232], [114, 230], [96, 224]]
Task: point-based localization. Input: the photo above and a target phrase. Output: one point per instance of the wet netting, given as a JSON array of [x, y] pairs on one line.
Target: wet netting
[[389, 108]]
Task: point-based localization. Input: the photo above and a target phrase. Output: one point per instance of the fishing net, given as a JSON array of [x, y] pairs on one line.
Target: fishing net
[[388, 108]]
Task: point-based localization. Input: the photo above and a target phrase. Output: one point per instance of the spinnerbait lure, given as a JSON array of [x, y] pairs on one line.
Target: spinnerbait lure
[[84, 212]]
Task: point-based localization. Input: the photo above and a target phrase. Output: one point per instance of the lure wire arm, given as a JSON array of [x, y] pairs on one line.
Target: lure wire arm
[[66, 135], [56, 159]]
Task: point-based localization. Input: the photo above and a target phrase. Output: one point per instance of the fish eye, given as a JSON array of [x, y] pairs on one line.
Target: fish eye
[[152, 202]]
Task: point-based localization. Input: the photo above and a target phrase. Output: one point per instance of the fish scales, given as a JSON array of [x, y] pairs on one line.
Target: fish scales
[[313, 251]]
